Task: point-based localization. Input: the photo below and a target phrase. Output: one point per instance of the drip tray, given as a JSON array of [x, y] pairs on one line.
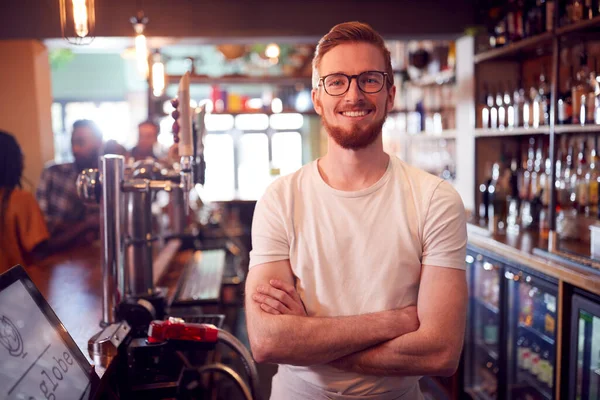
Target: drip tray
[[214, 319]]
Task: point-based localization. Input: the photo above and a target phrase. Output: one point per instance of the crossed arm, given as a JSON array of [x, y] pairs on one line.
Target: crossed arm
[[397, 342]]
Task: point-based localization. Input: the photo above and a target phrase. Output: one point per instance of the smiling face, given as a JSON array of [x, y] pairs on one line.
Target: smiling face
[[354, 119]]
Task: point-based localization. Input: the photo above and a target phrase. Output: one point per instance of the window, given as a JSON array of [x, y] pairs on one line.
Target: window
[[253, 170], [112, 117], [287, 151], [220, 167]]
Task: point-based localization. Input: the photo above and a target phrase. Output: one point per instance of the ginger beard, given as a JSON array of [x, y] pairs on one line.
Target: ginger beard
[[357, 137]]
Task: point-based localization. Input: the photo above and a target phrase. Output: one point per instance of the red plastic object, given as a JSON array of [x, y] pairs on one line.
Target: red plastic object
[[177, 329]]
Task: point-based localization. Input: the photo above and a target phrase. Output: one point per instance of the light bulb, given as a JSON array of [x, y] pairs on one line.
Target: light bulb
[[272, 51], [276, 105], [141, 53], [158, 78], [80, 18]]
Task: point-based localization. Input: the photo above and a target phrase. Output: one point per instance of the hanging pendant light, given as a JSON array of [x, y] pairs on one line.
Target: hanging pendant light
[[158, 75], [141, 47], [77, 21]]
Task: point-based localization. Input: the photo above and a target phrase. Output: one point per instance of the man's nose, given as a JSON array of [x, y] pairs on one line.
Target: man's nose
[[354, 93]]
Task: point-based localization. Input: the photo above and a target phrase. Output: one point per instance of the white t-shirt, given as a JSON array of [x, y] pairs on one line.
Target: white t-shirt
[[358, 252]]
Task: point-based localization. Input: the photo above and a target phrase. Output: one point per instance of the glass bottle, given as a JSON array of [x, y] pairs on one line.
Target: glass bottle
[[581, 183], [592, 177]]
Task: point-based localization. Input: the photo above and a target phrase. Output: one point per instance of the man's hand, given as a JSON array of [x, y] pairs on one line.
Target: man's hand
[[279, 298]]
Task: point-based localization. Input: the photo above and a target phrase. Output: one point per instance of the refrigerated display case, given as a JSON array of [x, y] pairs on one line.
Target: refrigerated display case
[[531, 335], [584, 379], [484, 347]]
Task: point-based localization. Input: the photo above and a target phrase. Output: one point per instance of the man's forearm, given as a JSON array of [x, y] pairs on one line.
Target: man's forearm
[[414, 354], [288, 339]]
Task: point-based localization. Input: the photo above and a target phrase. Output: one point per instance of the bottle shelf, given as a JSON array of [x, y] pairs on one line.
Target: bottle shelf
[[579, 26], [442, 78], [577, 129], [487, 349], [522, 49], [244, 79], [537, 333], [447, 134], [511, 132], [539, 387], [545, 130], [488, 306], [537, 45]]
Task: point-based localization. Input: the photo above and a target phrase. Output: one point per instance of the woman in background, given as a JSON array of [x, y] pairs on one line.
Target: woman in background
[[23, 232]]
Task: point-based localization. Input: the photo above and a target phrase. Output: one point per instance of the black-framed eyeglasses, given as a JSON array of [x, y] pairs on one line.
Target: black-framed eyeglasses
[[368, 82]]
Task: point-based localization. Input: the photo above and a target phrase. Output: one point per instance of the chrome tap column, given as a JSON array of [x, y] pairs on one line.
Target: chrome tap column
[[113, 272]]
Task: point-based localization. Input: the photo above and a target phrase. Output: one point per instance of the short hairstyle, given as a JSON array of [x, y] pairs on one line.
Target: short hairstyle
[[87, 123], [149, 122], [351, 32]]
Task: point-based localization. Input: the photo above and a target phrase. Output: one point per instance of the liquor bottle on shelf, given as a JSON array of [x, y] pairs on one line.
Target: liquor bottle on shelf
[[517, 103], [565, 104], [493, 111], [581, 183], [490, 332], [501, 109], [485, 109], [508, 106], [536, 175], [527, 109], [581, 88], [565, 182], [513, 18], [550, 10], [536, 107], [525, 190], [590, 99], [589, 11], [535, 359], [592, 177], [545, 368], [544, 99], [576, 10]]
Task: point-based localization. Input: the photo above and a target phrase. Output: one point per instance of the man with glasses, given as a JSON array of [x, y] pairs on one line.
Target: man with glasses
[[357, 281]]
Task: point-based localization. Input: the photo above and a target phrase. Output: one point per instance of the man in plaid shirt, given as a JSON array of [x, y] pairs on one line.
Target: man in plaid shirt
[[69, 220]]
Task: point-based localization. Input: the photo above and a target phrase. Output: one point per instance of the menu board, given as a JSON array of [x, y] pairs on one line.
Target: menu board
[[35, 362]]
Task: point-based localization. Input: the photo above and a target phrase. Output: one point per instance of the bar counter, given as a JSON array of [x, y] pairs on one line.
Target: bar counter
[[520, 249]]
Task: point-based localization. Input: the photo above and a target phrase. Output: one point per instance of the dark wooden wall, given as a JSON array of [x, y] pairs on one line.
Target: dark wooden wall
[[227, 19]]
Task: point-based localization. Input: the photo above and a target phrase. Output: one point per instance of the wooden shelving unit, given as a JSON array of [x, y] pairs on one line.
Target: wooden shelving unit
[[481, 133], [241, 80], [523, 48]]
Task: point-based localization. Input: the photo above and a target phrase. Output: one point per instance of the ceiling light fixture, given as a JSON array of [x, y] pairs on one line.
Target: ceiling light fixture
[[83, 15], [141, 47]]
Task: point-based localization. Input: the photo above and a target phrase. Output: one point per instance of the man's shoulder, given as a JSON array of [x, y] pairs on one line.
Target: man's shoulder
[[54, 167], [413, 174]]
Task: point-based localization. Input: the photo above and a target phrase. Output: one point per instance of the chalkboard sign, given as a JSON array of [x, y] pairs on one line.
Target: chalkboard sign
[[38, 358]]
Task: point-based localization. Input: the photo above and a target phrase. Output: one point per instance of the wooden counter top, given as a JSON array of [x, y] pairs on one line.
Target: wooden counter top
[[71, 282], [519, 248]]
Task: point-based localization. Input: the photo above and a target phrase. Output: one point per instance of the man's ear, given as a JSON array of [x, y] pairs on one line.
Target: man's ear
[[314, 94], [391, 97]]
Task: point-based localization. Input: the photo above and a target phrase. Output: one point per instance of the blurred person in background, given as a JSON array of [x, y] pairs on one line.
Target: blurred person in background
[[23, 233], [71, 221], [147, 137], [113, 147]]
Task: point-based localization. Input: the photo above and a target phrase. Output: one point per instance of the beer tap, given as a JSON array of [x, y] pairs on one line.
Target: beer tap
[[109, 187]]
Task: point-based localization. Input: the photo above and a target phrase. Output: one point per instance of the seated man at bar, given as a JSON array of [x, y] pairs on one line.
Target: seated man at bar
[[357, 283], [147, 138], [71, 221], [23, 233]]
